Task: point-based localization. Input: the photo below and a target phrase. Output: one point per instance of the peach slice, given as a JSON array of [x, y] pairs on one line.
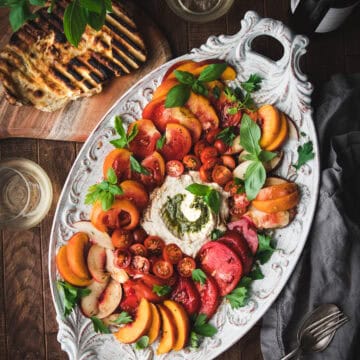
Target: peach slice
[[96, 261], [119, 275], [181, 322], [90, 304], [96, 236], [155, 324], [276, 191], [164, 88], [264, 220], [279, 204], [271, 122], [110, 299], [139, 327], [202, 109], [274, 180], [281, 137], [75, 252], [168, 338], [65, 270]]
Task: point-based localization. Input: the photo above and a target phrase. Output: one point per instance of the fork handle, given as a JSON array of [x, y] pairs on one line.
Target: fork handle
[[292, 354]]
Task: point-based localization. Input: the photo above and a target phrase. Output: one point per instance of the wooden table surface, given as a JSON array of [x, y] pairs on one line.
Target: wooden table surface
[[28, 328]]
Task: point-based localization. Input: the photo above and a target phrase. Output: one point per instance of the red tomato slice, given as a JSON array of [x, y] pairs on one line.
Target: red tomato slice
[[186, 266], [223, 264], [122, 258], [138, 249], [163, 269], [205, 174], [154, 245], [199, 147], [130, 301], [191, 162], [139, 265], [172, 253], [207, 153], [221, 174], [144, 143], [238, 244], [156, 165], [135, 192], [185, 293], [119, 160], [174, 168], [209, 296], [178, 142], [247, 228]]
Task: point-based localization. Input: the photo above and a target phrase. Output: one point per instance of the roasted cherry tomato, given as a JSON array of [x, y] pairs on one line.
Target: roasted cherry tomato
[[191, 162], [119, 160], [220, 146], [205, 174], [135, 192], [186, 266], [139, 235], [174, 168], [209, 296], [228, 161], [163, 269], [130, 301], [211, 135], [208, 153], [172, 253], [155, 164], [122, 214], [144, 143], [232, 188], [199, 147], [138, 249], [139, 265], [154, 245], [186, 294], [221, 174], [210, 163], [122, 258], [171, 281], [122, 239]]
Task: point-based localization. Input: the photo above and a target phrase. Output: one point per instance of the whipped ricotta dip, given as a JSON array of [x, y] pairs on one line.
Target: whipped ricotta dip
[[180, 217]]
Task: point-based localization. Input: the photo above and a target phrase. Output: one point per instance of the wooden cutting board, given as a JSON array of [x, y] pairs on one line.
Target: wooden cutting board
[[75, 121]]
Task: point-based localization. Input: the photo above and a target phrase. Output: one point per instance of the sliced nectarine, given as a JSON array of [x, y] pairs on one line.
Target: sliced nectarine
[[263, 220], [280, 204], [96, 236], [168, 338], [281, 137], [96, 262], [186, 65], [139, 327], [76, 248], [120, 275], [89, 304], [164, 88], [202, 109], [181, 322], [276, 191], [155, 324], [110, 299], [274, 180], [65, 271], [270, 124]]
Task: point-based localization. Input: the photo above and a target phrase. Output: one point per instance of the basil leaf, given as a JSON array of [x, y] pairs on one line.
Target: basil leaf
[[137, 167], [37, 2], [19, 14], [94, 6], [216, 92], [111, 176], [119, 127], [160, 142], [74, 22], [184, 77], [255, 177], [199, 276], [107, 199], [252, 84], [116, 190], [177, 96], [199, 88], [124, 318], [134, 131], [161, 290], [212, 72], [216, 234], [265, 156], [250, 134], [99, 326], [108, 5], [142, 343], [213, 199], [198, 189], [96, 21]]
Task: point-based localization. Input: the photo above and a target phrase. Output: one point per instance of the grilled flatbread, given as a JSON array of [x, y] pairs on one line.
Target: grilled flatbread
[[40, 68]]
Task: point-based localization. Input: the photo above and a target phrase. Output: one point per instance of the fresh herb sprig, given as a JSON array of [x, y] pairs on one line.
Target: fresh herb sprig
[[227, 135], [266, 249], [142, 343], [200, 328], [161, 290], [305, 154], [255, 174], [179, 94], [70, 295], [124, 139], [105, 191], [211, 196], [99, 326], [137, 167], [199, 276], [123, 318], [216, 234]]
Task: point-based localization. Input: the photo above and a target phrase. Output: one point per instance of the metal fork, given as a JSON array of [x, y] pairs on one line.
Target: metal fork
[[317, 331]]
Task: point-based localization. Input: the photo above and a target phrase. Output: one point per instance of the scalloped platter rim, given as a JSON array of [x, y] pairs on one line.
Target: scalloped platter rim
[[285, 86]]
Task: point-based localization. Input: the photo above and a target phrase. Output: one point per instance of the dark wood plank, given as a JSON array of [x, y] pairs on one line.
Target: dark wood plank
[[52, 157], [3, 327]]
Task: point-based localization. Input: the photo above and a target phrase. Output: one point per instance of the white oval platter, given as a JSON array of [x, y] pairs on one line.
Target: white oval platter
[[283, 85]]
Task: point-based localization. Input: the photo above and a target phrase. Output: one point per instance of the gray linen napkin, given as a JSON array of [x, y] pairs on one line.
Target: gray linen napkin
[[329, 268]]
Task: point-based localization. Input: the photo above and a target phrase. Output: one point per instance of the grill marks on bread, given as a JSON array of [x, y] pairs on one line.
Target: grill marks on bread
[[39, 67]]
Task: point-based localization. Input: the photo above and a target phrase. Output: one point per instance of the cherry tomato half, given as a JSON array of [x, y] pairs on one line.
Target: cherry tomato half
[[138, 249], [205, 174], [174, 168], [163, 269], [122, 258], [122, 239], [220, 146], [200, 146], [154, 245], [139, 265], [221, 174], [211, 135], [186, 266], [210, 163], [139, 235], [191, 162], [207, 153], [172, 253]]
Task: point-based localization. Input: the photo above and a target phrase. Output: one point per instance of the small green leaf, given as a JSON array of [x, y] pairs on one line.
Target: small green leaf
[[37, 2], [108, 5], [250, 134], [216, 234], [134, 131], [185, 77], [265, 156], [70, 295], [142, 343], [74, 22], [124, 318], [107, 199], [119, 127], [161, 290], [199, 88], [245, 281], [202, 327], [99, 326], [227, 136], [198, 189], [19, 14], [116, 190], [178, 96], [212, 72], [137, 167], [265, 249], [230, 94], [256, 273], [216, 92], [305, 154], [160, 142], [194, 340], [213, 199], [96, 21], [238, 297], [199, 276], [92, 5], [111, 176], [252, 84], [302, 133], [255, 177], [232, 111]]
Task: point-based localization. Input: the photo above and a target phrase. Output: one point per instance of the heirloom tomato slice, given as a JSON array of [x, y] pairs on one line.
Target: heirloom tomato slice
[[119, 160], [136, 192], [185, 293], [209, 296], [155, 164]]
